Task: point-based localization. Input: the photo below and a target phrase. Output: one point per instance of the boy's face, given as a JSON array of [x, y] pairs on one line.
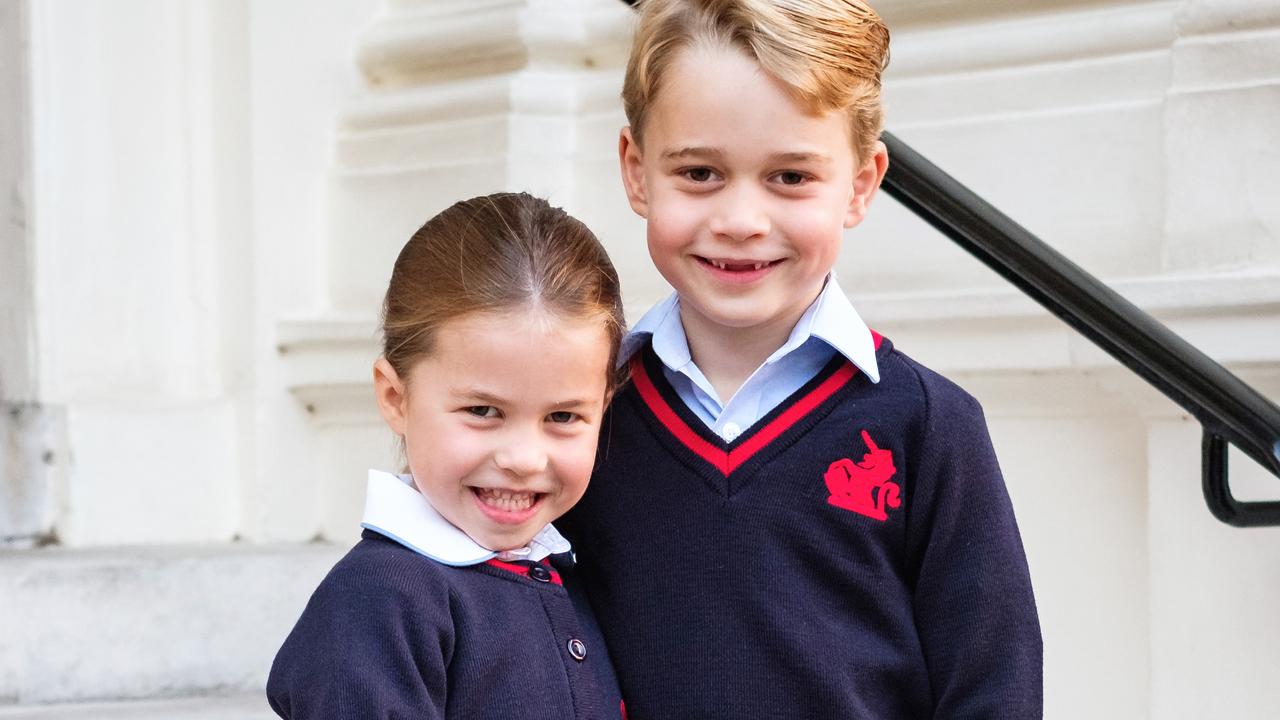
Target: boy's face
[[745, 192], [500, 420]]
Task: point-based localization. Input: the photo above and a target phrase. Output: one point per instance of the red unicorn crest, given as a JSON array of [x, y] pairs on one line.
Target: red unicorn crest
[[864, 487]]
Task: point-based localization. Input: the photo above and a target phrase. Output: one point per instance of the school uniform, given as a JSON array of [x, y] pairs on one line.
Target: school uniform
[[418, 621], [850, 553]]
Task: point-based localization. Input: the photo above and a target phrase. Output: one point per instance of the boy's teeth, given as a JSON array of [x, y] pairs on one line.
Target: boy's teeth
[[507, 500], [740, 266]]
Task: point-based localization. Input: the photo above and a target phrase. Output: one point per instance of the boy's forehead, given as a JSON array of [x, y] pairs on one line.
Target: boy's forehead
[[718, 100]]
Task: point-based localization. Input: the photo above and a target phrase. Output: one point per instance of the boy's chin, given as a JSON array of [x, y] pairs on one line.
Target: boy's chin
[[746, 315]]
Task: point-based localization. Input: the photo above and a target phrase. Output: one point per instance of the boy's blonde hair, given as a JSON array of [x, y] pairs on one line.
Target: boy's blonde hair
[[830, 53]]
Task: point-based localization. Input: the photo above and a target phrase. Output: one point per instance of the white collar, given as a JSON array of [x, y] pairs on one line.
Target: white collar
[[831, 318], [395, 509]]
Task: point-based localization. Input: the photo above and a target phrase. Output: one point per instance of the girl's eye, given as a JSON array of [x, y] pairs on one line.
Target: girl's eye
[[484, 411], [562, 417], [791, 177]]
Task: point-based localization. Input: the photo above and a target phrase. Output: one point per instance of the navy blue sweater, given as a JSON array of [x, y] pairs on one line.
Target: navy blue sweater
[[852, 555], [392, 634]]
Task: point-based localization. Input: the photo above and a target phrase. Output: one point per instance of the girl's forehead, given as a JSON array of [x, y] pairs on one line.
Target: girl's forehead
[[526, 343]]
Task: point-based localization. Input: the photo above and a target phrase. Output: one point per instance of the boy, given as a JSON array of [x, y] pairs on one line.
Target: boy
[[790, 518]]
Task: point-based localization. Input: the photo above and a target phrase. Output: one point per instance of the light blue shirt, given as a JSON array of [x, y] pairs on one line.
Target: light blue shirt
[[829, 326]]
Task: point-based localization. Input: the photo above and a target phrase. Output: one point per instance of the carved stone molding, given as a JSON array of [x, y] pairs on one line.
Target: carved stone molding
[[1057, 32]]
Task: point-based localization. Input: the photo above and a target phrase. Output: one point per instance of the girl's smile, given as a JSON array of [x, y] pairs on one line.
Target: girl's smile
[[500, 419]]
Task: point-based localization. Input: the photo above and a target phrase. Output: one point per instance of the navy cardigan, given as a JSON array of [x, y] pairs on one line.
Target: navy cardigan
[[392, 634]]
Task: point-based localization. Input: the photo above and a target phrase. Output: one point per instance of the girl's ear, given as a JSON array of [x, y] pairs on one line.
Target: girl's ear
[[389, 390], [631, 160], [865, 183]]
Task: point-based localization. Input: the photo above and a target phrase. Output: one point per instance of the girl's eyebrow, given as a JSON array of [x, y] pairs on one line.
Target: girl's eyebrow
[[572, 404], [477, 394], [487, 398]]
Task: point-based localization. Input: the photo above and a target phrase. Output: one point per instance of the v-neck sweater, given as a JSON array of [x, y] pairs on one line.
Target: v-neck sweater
[[854, 554]]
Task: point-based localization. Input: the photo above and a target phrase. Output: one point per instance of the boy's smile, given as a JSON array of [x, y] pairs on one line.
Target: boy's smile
[[746, 193]]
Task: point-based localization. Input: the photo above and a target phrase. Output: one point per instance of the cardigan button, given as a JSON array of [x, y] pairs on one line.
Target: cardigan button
[[577, 649], [540, 573]]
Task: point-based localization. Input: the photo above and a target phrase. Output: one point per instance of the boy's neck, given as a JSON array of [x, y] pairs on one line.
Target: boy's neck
[[727, 356]]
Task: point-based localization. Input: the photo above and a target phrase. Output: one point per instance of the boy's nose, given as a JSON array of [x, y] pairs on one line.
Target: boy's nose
[[740, 215]]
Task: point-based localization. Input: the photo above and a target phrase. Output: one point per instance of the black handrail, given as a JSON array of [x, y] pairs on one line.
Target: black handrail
[[1227, 408]]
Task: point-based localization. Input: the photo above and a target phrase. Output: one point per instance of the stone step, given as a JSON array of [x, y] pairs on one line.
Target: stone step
[[117, 624], [237, 707]]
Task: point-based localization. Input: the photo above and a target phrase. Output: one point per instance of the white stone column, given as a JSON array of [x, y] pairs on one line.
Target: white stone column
[[30, 451], [137, 260], [1222, 139], [1215, 639]]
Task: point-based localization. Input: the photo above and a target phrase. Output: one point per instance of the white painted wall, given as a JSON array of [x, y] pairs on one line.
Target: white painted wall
[[219, 189]]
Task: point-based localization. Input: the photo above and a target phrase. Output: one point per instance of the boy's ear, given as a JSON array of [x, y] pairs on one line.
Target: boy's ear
[[389, 390], [631, 161], [865, 183]]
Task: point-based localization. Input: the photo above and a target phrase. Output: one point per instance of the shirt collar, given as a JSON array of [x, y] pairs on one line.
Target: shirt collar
[[831, 318], [662, 323], [395, 509]]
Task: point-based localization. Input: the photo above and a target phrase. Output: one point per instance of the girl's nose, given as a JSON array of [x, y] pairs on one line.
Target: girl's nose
[[740, 214], [521, 454]]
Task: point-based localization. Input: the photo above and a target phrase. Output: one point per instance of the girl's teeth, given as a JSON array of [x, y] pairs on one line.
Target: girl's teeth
[[506, 499]]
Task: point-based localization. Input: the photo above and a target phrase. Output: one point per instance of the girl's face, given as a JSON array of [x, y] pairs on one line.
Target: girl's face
[[500, 421]]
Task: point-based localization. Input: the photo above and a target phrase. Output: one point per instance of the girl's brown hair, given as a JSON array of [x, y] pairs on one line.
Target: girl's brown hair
[[496, 253]]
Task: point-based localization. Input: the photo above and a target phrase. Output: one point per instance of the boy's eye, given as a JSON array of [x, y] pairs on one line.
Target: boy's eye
[[484, 411], [562, 417], [698, 174], [791, 177]]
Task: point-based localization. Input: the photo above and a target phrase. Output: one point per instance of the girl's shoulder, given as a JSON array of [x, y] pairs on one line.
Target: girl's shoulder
[[381, 564]]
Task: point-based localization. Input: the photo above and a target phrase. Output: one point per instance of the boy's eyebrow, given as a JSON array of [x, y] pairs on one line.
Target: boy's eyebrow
[[693, 152], [801, 157], [710, 153]]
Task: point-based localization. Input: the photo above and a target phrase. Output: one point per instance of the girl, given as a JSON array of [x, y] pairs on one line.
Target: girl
[[501, 328]]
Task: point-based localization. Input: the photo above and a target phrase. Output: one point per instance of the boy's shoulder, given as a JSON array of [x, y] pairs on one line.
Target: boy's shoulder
[[906, 381]]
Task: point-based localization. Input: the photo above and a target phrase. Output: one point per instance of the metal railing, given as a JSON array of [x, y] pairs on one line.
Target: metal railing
[[1229, 410]]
